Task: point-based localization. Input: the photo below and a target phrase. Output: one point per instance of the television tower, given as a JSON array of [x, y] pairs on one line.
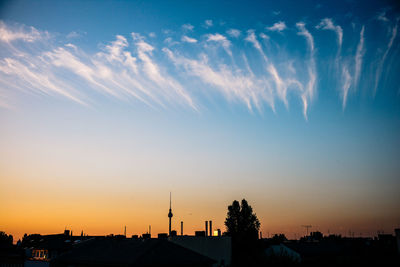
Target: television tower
[[170, 214]]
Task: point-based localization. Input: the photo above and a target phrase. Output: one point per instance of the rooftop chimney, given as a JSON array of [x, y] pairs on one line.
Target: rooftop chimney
[[206, 228], [211, 233], [181, 227]]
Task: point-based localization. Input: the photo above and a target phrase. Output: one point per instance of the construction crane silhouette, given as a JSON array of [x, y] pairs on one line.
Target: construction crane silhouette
[[307, 227]]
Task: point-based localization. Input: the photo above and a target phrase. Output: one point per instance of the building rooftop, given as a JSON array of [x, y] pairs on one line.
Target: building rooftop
[[131, 252]]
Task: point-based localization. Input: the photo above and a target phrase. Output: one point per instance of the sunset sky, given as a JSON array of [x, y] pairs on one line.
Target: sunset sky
[[108, 106]]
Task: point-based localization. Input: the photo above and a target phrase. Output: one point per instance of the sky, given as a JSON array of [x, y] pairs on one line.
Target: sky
[[108, 106]]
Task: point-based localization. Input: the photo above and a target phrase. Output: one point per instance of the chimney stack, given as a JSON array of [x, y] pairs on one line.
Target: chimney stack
[[206, 228], [181, 227], [211, 233]]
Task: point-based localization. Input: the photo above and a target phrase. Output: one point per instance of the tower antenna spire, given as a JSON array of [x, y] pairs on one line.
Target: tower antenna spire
[[170, 213]]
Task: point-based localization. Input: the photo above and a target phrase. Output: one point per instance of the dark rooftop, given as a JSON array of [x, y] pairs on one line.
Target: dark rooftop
[[130, 252]]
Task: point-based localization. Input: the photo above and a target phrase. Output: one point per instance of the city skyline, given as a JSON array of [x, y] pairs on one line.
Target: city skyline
[[107, 107]]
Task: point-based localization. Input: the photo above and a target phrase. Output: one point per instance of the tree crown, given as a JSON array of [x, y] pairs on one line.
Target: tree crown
[[240, 221]]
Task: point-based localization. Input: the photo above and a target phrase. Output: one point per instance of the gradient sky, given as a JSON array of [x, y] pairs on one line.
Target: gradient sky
[[107, 106]]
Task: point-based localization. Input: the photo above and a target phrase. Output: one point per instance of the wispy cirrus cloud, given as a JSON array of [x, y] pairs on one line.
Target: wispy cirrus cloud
[[327, 24], [264, 36], [233, 33], [311, 86], [346, 78], [188, 39], [359, 57], [241, 87], [208, 23], [275, 80], [160, 73], [26, 34], [187, 27], [34, 77], [113, 72], [277, 27], [385, 54], [75, 34], [343, 75], [382, 16], [219, 38], [251, 38]]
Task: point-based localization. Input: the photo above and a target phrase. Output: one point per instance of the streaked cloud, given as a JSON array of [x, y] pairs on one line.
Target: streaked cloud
[[233, 33], [251, 38], [327, 24], [385, 54], [346, 79], [303, 31], [264, 36], [208, 23], [382, 16], [143, 68], [187, 27], [233, 85], [311, 86], [26, 34], [219, 38], [113, 72], [188, 39], [277, 27], [73, 35], [170, 42], [359, 57]]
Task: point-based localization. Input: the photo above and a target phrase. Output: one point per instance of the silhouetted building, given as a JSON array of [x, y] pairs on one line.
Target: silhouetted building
[[11, 256], [43, 248], [397, 233], [200, 233], [217, 248], [146, 236], [218, 232], [128, 252], [281, 253], [163, 235]]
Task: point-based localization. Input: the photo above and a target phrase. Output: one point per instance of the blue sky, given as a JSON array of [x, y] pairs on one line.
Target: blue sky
[[249, 96]]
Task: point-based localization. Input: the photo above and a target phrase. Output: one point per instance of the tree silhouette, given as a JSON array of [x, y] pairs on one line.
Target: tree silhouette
[[5, 240], [241, 223]]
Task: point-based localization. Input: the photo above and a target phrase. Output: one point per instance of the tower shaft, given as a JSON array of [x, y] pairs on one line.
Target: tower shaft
[[170, 214]]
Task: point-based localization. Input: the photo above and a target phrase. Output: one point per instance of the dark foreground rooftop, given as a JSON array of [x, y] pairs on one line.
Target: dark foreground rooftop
[[130, 252]]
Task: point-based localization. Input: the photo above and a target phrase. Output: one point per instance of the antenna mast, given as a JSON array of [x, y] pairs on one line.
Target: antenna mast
[[170, 213]]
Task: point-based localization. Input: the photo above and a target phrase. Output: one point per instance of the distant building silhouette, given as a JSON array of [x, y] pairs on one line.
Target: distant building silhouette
[[217, 248], [397, 233], [200, 233], [131, 252]]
